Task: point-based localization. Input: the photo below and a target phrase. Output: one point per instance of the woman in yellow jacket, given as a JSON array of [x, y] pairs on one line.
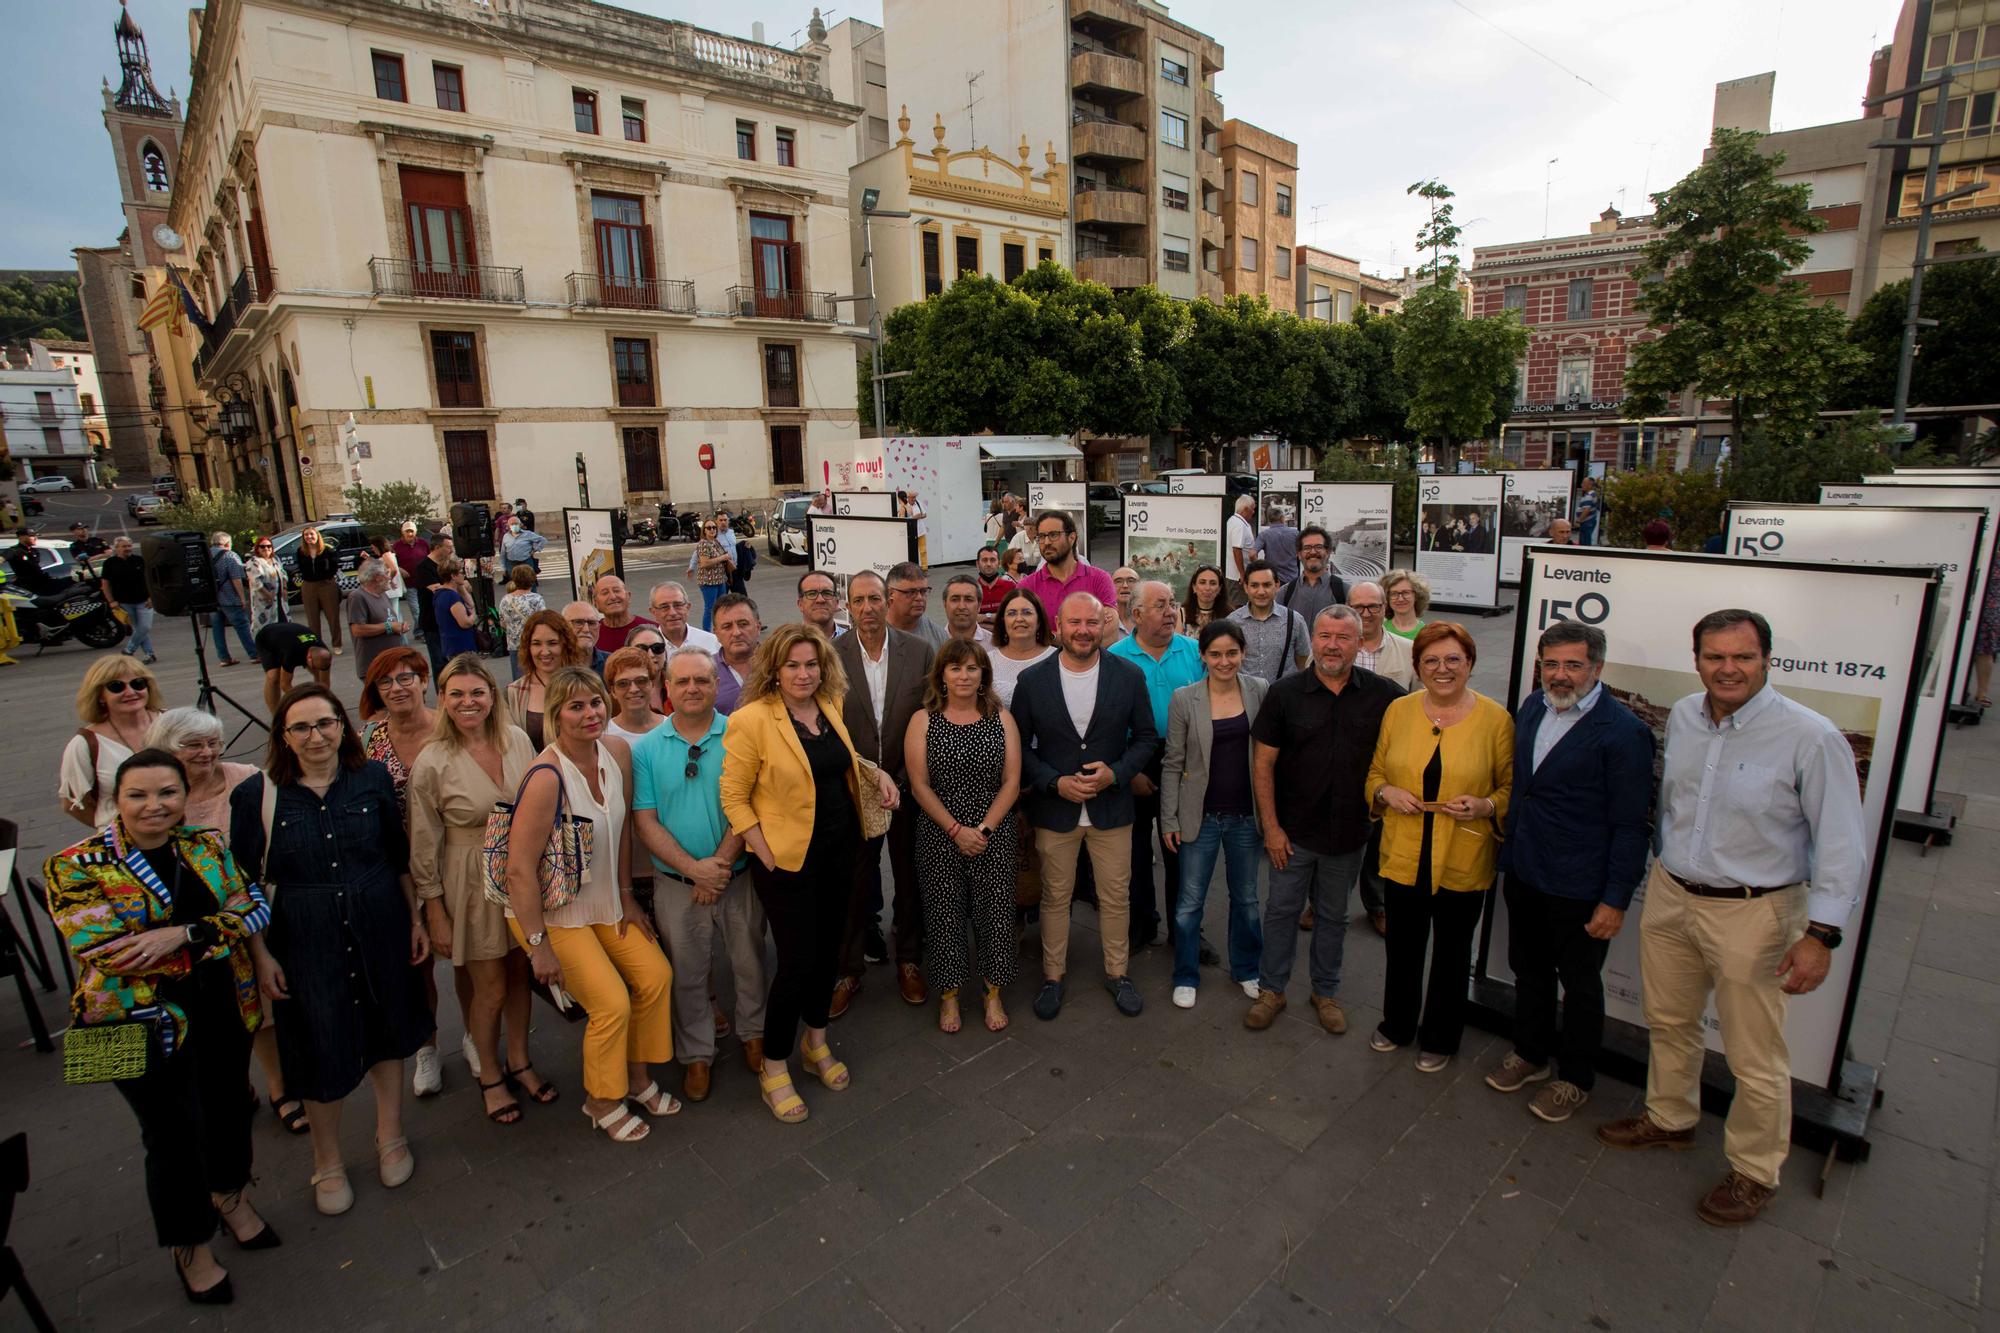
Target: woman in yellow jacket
[[1443, 767], [791, 789]]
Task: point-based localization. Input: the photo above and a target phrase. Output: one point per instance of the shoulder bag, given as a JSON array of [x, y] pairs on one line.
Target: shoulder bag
[[563, 863]]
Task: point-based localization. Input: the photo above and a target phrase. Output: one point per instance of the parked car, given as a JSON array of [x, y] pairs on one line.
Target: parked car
[[1107, 506], [785, 528], [349, 539], [32, 504], [167, 485], [145, 508], [45, 484], [1239, 483]]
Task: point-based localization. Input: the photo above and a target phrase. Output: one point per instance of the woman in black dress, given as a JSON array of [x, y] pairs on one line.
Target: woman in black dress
[[339, 960]]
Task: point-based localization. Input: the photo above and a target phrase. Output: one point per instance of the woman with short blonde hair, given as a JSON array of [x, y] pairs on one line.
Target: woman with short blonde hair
[[117, 701]]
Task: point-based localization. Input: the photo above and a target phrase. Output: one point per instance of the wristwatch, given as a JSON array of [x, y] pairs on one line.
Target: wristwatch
[[1827, 935], [536, 940], [985, 832]]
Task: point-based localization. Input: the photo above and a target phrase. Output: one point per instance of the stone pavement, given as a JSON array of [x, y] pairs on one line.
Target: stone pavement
[[1166, 1173]]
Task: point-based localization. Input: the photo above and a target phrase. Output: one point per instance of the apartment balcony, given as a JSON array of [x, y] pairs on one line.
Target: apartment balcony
[[1208, 169], [596, 291], [1111, 140], [1113, 206], [1211, 229], [761, 303], [1113, 266], [421, 280], [1116, 14], [1211, 109], [1208, 286], [243, 311], [1105, 75]]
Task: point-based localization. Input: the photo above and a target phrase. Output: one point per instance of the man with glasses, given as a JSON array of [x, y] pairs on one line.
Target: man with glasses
[[701, 876], [584, 620], [1126, 580], [819, 602], [961, 610], [283, 648], [1575, 851], [1064, 572], [909, 598], [887, 672], [1316, 587], [1388, 656], [669, 608], [739, 626]]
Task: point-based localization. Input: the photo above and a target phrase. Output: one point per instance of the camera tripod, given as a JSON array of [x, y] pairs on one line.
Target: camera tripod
[[207, 692]]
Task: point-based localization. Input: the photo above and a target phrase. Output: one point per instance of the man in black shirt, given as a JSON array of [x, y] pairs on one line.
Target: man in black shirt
[[283, 648], [525, 514], [422, 580], [122, 576], [1311, 746], [24, 565]]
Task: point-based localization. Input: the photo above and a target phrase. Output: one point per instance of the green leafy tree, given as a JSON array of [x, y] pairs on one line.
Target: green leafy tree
[[1439, 234], [1459, 372], [1324, 361], [1394, 464], [1690, 502], [382, 509], [240, 513], [1792, 471], [1733, 324], [1233, 370], [1382, 398], [1956, 362], [31, 309]]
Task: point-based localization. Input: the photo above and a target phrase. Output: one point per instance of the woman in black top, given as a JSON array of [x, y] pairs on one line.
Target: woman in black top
[[318, 566], [340, 960]]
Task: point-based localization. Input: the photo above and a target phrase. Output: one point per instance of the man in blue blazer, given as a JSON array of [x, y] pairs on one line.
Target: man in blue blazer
[[1087, 730], [1577, 836]]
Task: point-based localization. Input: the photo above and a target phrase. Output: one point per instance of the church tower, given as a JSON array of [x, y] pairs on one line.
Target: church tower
[[145, 130]]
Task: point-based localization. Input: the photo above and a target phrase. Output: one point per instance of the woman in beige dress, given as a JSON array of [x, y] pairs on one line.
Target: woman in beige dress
[[476, 760]]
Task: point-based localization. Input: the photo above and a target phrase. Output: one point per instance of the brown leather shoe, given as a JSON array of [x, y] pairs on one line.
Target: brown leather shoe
[[844, 991], [1639, 1131], [1735, 1202], [1331, 1016], [753, 1055], [1380, 920], [1270, 1003], [1306, 917], [910, 980], [694, 1087]]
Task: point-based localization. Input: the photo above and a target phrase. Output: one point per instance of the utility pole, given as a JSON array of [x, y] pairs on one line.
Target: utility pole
[[1548, 189], [868, 213]]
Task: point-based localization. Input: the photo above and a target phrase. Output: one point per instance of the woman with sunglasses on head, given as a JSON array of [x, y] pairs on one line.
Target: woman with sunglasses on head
[[475, 761], [156, 914], [340, 958], [652, 641], [266, 577], [1439, 782], [117, 701]]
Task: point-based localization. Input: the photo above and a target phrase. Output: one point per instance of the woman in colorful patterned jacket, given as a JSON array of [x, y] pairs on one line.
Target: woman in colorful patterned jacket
[[158, 916]]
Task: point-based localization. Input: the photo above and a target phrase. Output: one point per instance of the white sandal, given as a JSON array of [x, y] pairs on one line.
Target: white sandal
[[654, 1102], [630, 1128]]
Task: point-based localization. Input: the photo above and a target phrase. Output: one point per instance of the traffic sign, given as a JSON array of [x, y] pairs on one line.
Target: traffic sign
[[305, 465], [706, 457]]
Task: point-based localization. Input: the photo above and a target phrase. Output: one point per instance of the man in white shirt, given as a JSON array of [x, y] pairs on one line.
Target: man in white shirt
[[909, 598], [1388, 656], [669, 605], [1239, 548], [961, 610], [819, 603]]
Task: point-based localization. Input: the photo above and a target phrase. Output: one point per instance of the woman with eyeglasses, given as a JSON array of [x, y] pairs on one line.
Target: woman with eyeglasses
[[712, 565], [156, 913], [1442, 772], [340, 958], [266, 577], [630, 676], [194, 736], [117, 701], [1409, 596], [475, 761], [652, 641], [548, 644], [520, 602], [1205, 600]]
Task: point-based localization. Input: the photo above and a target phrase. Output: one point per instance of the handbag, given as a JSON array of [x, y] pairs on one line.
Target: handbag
[[874, 818], [564, 862], [107, 1052]]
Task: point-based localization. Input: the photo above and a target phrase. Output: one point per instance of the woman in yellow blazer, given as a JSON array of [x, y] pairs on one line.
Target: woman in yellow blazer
[[1443, 768], [791, 789]]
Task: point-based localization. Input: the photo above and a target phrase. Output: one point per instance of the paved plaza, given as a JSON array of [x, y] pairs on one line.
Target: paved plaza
[[1173, 1172]]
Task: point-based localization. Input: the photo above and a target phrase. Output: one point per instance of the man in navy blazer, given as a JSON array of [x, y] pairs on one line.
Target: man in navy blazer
[[1577, 837], [1086, 727]]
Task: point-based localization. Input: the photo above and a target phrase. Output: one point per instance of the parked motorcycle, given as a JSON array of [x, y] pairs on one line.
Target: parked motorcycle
[[641, 532], [78, 612]]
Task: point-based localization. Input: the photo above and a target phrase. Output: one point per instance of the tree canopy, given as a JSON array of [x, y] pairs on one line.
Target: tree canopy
[[32, 309], [1957, 362], [1458, 371]]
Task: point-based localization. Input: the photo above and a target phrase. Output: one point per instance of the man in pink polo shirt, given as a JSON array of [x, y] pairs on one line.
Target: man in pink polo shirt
[[1063, 571]]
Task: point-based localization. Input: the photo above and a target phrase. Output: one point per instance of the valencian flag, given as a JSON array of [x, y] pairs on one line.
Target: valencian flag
[[163, 308], [187, 300]]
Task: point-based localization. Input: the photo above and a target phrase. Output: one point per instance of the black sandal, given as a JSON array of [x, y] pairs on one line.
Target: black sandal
[[510, 1114], [295, 1121], [541, 1096]]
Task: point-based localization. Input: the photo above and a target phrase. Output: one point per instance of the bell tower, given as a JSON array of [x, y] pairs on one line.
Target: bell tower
[[145, 130]]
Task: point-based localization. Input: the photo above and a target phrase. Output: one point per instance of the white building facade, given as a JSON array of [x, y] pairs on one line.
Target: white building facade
[[43, 417], [513, 237]]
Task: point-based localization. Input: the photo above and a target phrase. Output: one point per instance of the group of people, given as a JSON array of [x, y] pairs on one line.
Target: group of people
[[643, 792]]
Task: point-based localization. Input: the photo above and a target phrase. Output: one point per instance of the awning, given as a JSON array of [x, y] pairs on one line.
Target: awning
[[1053, 449]]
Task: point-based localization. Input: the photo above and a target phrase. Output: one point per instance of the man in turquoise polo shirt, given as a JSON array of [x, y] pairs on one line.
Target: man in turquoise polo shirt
[[701, 875], [1168, 661]]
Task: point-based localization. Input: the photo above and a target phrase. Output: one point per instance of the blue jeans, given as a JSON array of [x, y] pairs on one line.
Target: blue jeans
[[1322, 880], [141, 642], [710, 594], [219, 621], [1238, 839]]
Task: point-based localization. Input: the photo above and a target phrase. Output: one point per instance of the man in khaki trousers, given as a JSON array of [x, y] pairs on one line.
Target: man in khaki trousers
[[1761, 858]]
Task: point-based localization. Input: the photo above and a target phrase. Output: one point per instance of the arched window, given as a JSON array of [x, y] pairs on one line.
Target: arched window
[[154, 163]]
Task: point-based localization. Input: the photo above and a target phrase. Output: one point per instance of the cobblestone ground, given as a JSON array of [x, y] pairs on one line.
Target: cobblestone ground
[[1173, 1172]]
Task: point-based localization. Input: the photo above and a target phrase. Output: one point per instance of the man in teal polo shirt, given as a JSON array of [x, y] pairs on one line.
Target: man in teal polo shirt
[[1168, 661], [701, 875]]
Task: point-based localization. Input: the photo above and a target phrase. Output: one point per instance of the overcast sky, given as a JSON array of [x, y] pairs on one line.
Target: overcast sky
[[1376, 93]]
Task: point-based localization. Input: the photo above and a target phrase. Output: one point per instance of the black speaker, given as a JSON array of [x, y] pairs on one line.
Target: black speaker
[[179, 576], [472, 530], [620, 534]]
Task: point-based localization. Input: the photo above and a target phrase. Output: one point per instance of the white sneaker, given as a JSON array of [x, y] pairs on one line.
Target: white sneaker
[[1250, 988], [428, 1079], [470, 1052], [1183, 997]]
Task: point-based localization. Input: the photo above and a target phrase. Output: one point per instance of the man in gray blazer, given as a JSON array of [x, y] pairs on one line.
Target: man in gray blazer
[[886, 674], [1087, 729]]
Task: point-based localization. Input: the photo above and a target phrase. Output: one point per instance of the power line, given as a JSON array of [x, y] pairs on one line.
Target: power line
[[1528, 46]]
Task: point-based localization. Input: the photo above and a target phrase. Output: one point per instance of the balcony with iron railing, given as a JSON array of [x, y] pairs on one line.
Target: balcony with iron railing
[[1093, 135], [422, 280], [763, 303], [1112, 265], [1109, 205], [242, 310], [598, 291]]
